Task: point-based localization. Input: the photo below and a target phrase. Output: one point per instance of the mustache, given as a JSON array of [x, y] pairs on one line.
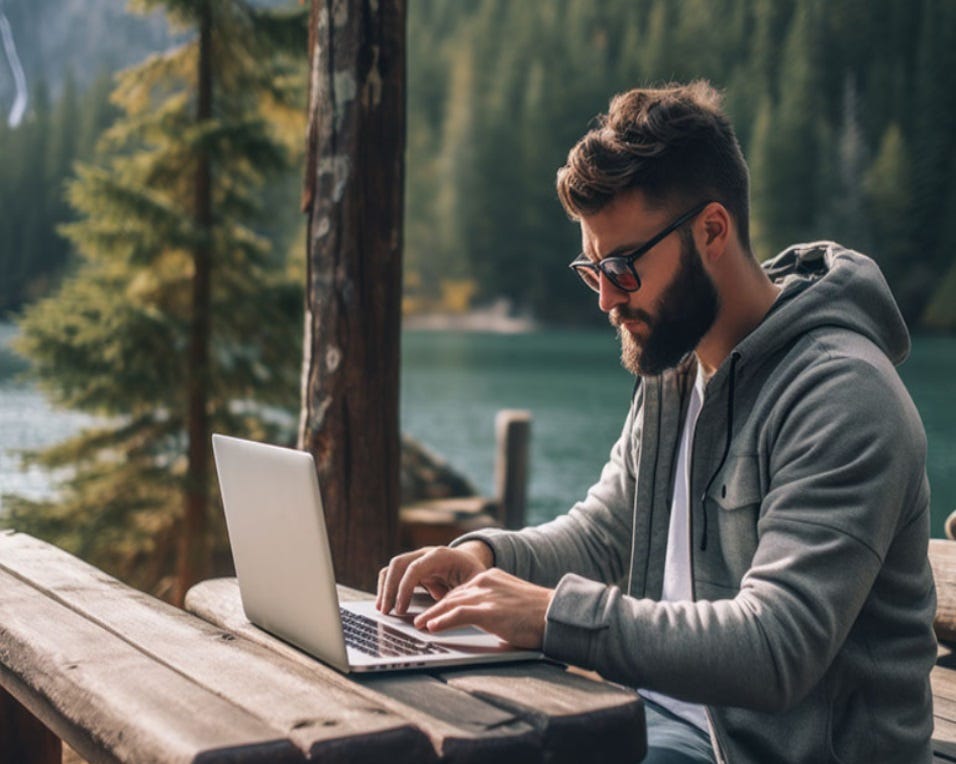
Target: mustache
[[619, 314]]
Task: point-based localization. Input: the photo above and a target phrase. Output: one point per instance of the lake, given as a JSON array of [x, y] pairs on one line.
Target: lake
[[453, 384]]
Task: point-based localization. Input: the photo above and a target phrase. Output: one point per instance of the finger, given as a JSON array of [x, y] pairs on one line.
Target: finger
[[379, 593], [418, 570], [455, 617], [393, 575], [436, 588], [456, 598]]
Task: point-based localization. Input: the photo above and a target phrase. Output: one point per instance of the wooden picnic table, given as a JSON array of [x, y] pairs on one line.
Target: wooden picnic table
[[123, 677]]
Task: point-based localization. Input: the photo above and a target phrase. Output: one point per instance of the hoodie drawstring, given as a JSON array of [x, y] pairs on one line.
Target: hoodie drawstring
[[734, 357]]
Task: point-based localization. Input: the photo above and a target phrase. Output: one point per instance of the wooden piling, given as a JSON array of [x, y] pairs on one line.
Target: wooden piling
[[513, 438]]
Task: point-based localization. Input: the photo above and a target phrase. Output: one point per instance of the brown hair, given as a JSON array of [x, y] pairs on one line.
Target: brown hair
[[674, 143]]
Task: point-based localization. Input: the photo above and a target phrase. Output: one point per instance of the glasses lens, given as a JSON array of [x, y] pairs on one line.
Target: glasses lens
[[620, 273], [589, 276]]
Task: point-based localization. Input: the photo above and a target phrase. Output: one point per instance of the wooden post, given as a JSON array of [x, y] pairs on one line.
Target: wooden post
[[513, 439], [23, 738], [354, 198]]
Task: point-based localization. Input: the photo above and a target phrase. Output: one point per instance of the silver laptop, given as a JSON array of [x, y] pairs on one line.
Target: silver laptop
[[284, 565]]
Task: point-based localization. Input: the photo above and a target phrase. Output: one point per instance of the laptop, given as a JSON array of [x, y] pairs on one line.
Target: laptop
[[283, 561]]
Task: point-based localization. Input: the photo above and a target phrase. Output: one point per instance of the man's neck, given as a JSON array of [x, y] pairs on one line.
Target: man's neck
[[743, 305]]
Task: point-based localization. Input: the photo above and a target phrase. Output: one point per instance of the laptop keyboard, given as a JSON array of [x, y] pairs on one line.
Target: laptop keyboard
[[381, 640]]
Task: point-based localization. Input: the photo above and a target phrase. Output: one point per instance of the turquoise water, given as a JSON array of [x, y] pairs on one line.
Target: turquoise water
[[453, 384]]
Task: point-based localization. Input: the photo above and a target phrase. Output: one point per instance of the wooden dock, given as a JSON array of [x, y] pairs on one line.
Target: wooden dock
[[433, 522]]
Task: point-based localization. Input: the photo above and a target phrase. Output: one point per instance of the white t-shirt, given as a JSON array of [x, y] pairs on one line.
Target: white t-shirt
[[678, 583]]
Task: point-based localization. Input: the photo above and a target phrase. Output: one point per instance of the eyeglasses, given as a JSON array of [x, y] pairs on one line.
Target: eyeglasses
[[619, 269]]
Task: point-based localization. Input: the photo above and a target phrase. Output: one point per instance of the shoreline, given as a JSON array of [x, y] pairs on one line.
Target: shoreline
[[496, 318]]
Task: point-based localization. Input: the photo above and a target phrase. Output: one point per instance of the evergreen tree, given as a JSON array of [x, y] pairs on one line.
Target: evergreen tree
[[179, 319], [809, 98], [888, 190]]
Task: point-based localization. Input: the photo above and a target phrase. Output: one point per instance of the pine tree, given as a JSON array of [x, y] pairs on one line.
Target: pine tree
[[888, 189], [179, 320]]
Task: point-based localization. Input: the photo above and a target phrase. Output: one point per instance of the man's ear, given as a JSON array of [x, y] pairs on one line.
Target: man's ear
[[715, 227]]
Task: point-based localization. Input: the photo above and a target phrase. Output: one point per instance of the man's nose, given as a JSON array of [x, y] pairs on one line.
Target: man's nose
[[609, 295]]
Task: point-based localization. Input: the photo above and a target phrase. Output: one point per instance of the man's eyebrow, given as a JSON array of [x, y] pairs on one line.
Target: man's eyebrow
[[624, 249]]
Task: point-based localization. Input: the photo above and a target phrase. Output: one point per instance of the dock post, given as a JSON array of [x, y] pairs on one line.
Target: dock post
[[513, 439]]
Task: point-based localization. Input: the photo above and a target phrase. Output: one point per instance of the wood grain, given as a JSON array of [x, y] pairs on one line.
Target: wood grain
[[73, 631], [87, 685], [571, 717], [942, 557], [460, 726], [354, 199]]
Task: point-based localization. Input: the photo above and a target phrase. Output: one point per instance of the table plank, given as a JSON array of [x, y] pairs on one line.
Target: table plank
[[580, 719], [572, 716], [460, 726], [323, 719], [86, 684]]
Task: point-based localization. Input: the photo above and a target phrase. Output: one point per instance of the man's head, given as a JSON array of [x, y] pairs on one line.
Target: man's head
[[659, 180], [674, 144]]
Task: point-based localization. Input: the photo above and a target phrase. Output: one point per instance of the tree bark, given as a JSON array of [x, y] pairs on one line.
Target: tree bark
[[194, 543], [354, 196]]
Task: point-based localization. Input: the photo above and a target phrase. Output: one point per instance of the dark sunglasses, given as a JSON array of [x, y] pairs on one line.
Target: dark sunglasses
[[619, 269]]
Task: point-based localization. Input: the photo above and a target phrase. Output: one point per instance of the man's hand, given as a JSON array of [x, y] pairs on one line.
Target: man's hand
[[502, 604], [439, 569]]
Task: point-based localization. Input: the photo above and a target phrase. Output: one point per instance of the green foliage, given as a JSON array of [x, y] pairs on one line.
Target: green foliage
[[499, 91], [113, 339]]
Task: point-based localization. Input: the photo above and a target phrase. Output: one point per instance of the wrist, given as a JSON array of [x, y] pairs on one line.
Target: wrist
[[481, 551]]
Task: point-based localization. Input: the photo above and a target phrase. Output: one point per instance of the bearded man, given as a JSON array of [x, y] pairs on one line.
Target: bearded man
[[753, 557]]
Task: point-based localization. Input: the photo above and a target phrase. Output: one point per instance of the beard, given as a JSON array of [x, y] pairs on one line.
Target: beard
[[685, 312]]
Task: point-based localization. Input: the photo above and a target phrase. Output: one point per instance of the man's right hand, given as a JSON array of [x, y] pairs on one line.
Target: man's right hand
[[438, 568]]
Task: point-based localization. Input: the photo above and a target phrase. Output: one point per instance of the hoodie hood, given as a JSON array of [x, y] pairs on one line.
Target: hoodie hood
[[826, 285]]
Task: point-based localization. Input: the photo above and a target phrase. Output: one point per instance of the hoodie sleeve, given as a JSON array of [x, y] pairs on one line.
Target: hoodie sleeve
[[845, 457], [592, 539]]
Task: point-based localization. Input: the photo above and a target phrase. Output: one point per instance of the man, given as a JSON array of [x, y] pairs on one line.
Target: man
[[753, 557]]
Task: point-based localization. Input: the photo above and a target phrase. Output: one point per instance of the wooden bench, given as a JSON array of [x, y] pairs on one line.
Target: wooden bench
[[123, 677], [942, 556]]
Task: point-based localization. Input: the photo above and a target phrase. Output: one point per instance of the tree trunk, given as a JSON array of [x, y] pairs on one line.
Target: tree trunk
[[354, 197], [194, 543]]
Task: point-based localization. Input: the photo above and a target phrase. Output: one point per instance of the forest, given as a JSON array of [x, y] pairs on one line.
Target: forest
[[843, 108], [145, 213]]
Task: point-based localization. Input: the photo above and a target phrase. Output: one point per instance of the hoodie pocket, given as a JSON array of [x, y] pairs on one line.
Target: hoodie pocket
[[734, 498]]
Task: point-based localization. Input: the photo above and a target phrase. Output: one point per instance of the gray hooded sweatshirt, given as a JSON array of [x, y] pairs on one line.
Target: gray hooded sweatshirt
[[810, 635]]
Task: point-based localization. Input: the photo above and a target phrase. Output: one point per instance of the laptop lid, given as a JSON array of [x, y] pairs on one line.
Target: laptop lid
[[280, 546], [283, 561]]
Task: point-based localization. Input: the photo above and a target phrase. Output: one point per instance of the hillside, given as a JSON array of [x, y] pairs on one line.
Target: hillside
[[79, 38]]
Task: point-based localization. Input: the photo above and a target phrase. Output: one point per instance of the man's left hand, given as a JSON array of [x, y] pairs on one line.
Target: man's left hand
[[502, 604]]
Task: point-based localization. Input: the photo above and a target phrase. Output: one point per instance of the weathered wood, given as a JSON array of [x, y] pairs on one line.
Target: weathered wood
[[87, 685], [460, 726], [574, 718], [83, 647], [562, 706], [23, 738], [354, 196], [437, 522], [942, 557], [513, 438]]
